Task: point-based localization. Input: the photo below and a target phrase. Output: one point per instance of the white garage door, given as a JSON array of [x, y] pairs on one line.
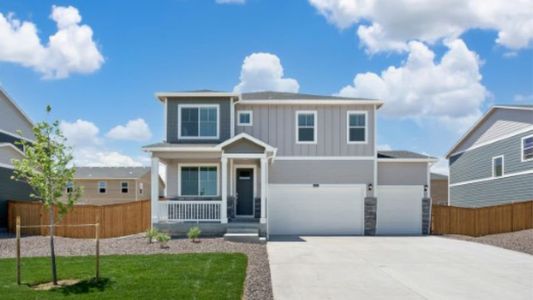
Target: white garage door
[[302, 209], [399, 210]]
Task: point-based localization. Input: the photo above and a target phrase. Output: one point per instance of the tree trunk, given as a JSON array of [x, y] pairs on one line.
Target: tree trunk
[[52, 249]]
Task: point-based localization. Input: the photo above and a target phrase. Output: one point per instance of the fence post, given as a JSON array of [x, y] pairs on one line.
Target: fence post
[[18, 249], [97, 235]]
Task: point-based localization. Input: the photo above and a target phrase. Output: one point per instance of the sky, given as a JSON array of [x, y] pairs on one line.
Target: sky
[[438, 65]]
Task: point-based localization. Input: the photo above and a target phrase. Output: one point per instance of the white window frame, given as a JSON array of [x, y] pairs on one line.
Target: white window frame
[[141, 188], [70, 185], [356, 112], [240, 112], [127, 187], [315, 126], [105, 186], [522, 156], [181, 165], [199, 106], [503, 166]]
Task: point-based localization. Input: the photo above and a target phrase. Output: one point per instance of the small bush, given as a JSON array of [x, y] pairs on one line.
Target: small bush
[[194, 233], [163, 239], [151, 234]]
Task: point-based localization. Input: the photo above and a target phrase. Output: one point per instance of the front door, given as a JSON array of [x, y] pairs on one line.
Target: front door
[[245, 192]]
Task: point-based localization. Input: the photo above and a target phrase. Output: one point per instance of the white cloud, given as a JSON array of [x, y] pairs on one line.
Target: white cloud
[[230, 1], [80, 133], [70, 50], [91, 158], [449, 90], [523, 98], [389, 25], [441, 166], [263, 71], [384, 147], [134, 130]]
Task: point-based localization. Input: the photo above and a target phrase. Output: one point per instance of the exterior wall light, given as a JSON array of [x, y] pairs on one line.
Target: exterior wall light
[[425, 187], [370, 187]]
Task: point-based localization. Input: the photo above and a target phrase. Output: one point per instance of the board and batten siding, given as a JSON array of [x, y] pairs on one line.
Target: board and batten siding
[[275, 125], [321, 172], [173, 119], [477, 163], [402, 173], [11, 190]]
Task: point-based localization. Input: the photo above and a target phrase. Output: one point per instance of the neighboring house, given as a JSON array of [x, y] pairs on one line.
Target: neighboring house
[[107, 185], [12, 120], [284, 163], [493, 162], [439, 189]]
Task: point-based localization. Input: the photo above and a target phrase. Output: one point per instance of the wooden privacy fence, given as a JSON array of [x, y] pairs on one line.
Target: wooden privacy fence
[[115, 219], [482, 220]]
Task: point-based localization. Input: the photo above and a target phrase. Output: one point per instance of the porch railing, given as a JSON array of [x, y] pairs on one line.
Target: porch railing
[[191, 211]]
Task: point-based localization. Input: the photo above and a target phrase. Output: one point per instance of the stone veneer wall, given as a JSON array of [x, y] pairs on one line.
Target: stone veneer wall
[[370, 215], [257, 212], [426, 215]]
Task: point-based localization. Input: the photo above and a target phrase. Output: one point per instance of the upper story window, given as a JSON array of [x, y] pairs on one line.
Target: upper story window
[[198, 121], [102, 187], [124, 187], [497, 166], [70, 187], [527, 148], [306, 127], [245, 118], [198, 180], [356, 131]]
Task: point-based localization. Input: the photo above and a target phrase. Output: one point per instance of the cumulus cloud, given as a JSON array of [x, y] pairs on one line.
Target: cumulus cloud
[[389, 25], [263, 71], [230, 1], [441, 167], [449, 90], [80, 133], [523, 98], [134, 130], [70, 50]]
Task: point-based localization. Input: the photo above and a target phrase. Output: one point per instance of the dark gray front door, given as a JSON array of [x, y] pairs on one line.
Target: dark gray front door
[[245, 192]]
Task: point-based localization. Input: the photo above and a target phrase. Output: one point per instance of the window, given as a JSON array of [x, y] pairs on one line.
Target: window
[[356, 127], [141, 188], [102, 187], [527, 148], [198, 121], [306, 127], [497, 166], [124, 187], [244, 118], [70, 187], [198, 181]]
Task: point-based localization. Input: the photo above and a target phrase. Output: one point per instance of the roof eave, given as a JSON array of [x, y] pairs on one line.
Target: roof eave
[[161, 96]]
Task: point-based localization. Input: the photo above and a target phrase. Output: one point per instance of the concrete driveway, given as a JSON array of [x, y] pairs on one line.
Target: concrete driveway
[[396, 268]]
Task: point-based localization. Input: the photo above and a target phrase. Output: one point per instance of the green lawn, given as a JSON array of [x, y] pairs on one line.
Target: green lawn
[[179, 276]]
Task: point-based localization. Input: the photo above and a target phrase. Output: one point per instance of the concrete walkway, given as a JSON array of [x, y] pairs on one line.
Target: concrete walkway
[[396, 268]]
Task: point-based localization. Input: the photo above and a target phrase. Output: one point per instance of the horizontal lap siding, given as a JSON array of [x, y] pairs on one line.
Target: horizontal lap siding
[[321, 172], [10, 190], [493, 192]]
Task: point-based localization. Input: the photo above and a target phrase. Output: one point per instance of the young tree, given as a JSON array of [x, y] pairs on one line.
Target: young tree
[[47, 168]]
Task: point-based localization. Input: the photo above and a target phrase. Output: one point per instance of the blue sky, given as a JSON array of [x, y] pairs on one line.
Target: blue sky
[[138, 48]]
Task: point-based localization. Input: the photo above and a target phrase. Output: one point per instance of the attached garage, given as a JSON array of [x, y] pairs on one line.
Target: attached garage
[[325, 209], [399, 209]]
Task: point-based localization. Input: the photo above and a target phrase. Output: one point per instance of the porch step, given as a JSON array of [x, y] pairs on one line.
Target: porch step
[[242, 230], [242, 237], [243, 225]]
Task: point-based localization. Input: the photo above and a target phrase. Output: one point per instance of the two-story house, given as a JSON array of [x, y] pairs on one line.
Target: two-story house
[[283, 163], [15, 125], [493, 162]]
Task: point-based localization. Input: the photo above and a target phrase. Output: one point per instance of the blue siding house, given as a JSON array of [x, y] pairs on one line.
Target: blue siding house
[[493, 162], [12, 120]]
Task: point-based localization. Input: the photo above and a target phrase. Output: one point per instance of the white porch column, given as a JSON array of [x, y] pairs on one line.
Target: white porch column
[[155, 189], [264, 186], [224, 189]]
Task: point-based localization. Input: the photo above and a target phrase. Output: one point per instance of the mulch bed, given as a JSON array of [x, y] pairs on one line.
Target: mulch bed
[[521, 241], [257, 285]]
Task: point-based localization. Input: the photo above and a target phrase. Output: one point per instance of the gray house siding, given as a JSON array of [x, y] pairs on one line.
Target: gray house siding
[[493, 192], [275, 125], [6, 138], [477, 163], [402, 173], [11, 119], [321, 172], [10, 190], [173, 118], [501, 122]]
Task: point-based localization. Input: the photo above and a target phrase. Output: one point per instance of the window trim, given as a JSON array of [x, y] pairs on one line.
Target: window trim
[[503, 166], [70, 185], [141, 188], [353, 112], [122, 188], [522, 148], [199, 106], [199, 165], [315, 126], [240, 112], [105, 186]]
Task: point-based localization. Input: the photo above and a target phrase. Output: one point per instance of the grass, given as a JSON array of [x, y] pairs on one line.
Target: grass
[[179, 276]]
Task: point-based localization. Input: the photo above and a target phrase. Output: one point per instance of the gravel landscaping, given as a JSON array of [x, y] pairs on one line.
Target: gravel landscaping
[[257, 284], [521, 241]]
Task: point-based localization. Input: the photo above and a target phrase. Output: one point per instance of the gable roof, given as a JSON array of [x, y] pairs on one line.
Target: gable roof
[[248, 137], [25, 117], [110, 172], [482, 119], [402, 154], [272, 95], [437, 176]]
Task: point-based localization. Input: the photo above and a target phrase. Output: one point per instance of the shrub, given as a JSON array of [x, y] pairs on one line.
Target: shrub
[[194, 233], [163, 239], [151, 234]]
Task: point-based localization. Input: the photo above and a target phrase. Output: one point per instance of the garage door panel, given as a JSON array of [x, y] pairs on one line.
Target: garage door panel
[[399, 210], [324, 210]]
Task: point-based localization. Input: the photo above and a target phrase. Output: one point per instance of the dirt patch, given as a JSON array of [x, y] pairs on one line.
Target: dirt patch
[[521, 241], [50, 285]]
